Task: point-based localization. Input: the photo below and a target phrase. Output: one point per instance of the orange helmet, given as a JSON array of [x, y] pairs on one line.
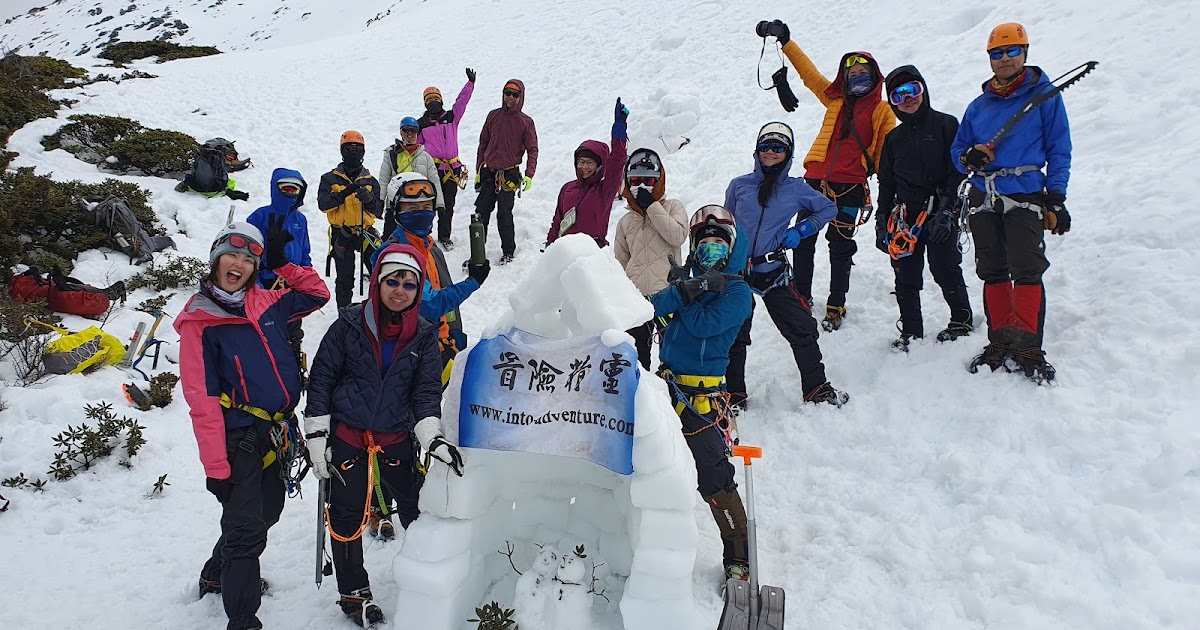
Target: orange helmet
[[431, 94], [1007, 34], [352, 136]]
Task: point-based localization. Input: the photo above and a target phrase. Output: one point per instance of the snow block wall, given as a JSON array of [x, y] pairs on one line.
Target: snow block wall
[[639, 530]]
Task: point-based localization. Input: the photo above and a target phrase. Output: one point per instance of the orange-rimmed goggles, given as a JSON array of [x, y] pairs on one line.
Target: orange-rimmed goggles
[[420, 190]]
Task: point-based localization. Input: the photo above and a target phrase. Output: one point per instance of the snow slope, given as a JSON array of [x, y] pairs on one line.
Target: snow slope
[[935, 499]]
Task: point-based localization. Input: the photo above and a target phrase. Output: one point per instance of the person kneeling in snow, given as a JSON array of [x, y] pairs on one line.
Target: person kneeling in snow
[[585, 203], [708, 308], [242, 383], [376, 373]]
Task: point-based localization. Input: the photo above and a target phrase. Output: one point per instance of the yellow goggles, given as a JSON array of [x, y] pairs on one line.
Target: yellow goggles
[[854, 60]]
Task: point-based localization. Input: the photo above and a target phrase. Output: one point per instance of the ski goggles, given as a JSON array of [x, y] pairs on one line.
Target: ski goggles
[[854, 60], [1010, 51], [512, 93], [772, 147], [395, 283], [289, 189], [420, 190], [904, 92], [643, 181], [241, 242]]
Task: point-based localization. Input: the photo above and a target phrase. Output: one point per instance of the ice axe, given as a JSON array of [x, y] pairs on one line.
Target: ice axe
[[748, 607]]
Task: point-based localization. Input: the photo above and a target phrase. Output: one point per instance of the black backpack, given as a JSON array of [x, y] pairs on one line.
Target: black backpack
[[210, 172], [232, 163], [125, 233]]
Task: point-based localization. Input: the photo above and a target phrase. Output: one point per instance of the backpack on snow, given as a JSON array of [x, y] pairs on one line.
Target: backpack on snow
[[210, 172], [232, 163], [64, 294], [125, 233]]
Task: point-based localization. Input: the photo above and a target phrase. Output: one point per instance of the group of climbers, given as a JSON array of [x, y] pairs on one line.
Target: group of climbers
[[375, 385]]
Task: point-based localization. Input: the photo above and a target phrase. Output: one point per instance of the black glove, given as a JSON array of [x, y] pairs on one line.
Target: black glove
[[978, 157], [364, 195], [938, 227], [712, 280], [643, 197], [346, 191], [677, 273], [479, 272], [220, 488], [447, 453], [277, 239], [470, 75], [1057, 220], [881, 236]]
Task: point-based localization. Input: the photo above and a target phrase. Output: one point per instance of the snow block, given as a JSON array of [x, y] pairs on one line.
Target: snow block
[[671, 488], [442, 578], [656, 614], [431, 539], [663, 563], [449, 496], [443, 611], [655, 587], [668, 529], [657, 451]]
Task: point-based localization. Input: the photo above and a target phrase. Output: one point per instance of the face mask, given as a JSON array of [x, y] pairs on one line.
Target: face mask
[[709, 255], [352, 154], [860, 85], [418, 222], [434, 108]]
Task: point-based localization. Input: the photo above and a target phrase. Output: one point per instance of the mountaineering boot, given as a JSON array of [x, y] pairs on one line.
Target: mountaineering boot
[[955, 330], [993, 356], [505, 259], [825, 393], [834, 315], [379, 526], [737, 571], [214, 586], [361, 608], [446, 245], [901, 344], [1032, 362], [730, 516]]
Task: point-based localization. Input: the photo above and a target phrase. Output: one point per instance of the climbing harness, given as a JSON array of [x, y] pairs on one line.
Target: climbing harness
[[902, 237], [706, 397]]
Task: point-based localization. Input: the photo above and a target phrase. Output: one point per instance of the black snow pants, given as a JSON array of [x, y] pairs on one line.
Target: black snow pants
[[504, 200], [842, 247]]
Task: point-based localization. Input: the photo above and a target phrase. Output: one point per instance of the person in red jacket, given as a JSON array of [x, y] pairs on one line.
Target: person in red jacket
[[507, 136], [585, 203], [241, 381]]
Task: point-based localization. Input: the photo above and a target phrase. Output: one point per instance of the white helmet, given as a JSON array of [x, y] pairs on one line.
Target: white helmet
[[777, 131], [408, 187], [238, 236]]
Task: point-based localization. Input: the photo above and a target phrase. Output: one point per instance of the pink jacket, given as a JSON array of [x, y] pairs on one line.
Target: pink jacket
[[440, 134]]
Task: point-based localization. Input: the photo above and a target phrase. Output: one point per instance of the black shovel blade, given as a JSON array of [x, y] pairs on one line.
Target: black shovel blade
[[736, 614], [770, 608]]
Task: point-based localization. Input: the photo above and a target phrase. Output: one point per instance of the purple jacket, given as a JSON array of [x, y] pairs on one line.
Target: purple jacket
[[440, 134], [584, 205]]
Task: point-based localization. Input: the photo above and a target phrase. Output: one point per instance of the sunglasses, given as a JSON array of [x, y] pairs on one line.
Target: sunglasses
[[643, 181], [407, 285], [512, 93], [854, 60], [409, 130], [290, 190], [999, 53], [907, 91], [241, 242], [772, 147]]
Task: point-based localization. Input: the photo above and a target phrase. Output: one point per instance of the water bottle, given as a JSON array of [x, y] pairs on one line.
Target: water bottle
[[478, 241]]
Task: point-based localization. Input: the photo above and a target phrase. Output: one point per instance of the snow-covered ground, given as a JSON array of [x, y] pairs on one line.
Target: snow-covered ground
[[935, 499]]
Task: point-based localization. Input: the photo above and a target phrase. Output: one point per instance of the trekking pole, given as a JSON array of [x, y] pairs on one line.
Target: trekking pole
[[748, 453]]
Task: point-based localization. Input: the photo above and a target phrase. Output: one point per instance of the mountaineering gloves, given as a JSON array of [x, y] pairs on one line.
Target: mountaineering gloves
[[470, 75], [644, 197], [220, 488], [528, 183], [776, 29], [792, 237], [881, 236], [1057, 219], [317, 439], [977, 157], [277, 239], [677, 273], [620, 126], [939, 227], [480, 272], [478, 185], [364, 194], [692, 288], [429, 435]]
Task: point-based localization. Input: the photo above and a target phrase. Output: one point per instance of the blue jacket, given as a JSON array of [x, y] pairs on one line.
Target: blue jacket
[[1043, 137], [348, 380], [299, 251], [764, 227], [698, 338]]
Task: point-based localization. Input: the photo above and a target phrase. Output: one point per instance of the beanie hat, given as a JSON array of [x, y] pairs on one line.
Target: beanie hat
[[247, 237], [432, 94], [397, 261]]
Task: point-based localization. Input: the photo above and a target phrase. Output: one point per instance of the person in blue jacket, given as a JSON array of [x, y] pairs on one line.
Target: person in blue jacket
[[287, 196], [1018, 189], [707, 308], [374, 399], [764, 203]]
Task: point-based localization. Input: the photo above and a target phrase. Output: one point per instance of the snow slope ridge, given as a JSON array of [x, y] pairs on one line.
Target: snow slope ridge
[[935, 499]]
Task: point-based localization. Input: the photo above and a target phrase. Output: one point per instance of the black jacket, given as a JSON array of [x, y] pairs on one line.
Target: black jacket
[[915, 162]]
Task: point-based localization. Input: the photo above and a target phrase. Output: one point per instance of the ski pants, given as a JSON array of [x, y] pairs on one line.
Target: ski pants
[[643, 340], [1010, 258], [252, 508], [446, 215], [842, 247], [945, 264], [346, 246], [504, 200], [793, 317], [346, 502]]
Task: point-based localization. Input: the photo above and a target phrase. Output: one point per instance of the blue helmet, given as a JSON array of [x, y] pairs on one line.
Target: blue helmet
[[409, 121]]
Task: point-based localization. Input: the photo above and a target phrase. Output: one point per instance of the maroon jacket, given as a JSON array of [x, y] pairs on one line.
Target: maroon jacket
[[590, 200], [507, 135]]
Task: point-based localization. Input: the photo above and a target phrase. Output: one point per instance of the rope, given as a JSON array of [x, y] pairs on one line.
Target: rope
[[372, 484]]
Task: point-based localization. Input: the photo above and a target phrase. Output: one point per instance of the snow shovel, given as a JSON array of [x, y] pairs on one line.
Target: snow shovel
[[746, 605]]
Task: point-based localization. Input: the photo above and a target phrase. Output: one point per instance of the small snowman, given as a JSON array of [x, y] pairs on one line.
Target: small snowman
[[572, 606], [533, 592]]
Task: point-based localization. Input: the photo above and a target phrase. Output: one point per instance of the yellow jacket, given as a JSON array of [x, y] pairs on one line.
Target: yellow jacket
[[831, 94], [348, 210]]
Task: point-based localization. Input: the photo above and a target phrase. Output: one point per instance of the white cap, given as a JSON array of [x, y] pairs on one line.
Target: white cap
[[398, 261], [295, 181]]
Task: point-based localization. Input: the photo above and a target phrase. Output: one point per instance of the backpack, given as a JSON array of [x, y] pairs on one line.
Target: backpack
[[210, 171], [232, 163], [65, 294], [125, 233]]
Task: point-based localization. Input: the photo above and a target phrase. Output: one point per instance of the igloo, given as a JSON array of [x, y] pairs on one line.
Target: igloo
[[513, 510]]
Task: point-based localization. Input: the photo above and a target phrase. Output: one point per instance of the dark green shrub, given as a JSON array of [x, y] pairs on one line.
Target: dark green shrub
[[161, 387], [88, 135], [170, 272], [124, 52], [155, 152], [23, 85], [49, 73]]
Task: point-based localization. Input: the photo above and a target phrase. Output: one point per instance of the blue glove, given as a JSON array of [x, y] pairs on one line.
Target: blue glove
[[620, 127], [792, 237]]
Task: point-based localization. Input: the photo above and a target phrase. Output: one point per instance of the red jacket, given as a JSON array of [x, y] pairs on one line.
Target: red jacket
[[587, 203], [507, 135]]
